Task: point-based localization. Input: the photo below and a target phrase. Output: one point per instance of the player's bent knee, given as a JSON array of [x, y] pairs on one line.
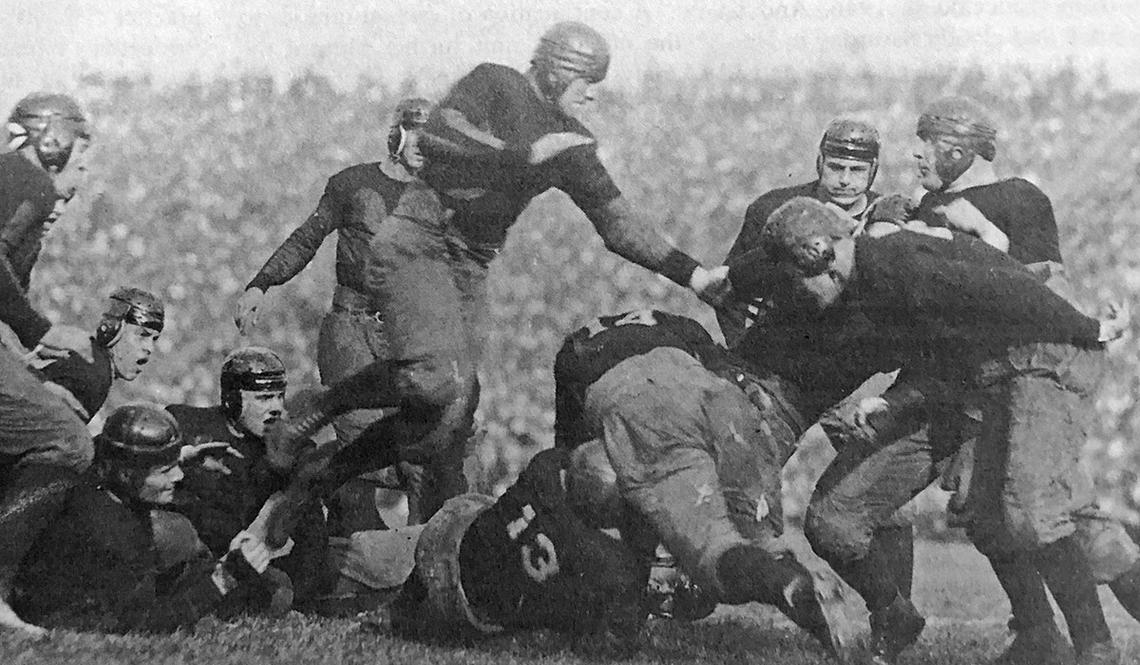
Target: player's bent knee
[[437, 381], [71, 448], [835, 536]]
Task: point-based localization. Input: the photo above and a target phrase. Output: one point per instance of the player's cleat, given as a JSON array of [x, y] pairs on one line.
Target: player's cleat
[[893, 629], [1036, 645], [1101, 653], [815, 603], [9, 620]]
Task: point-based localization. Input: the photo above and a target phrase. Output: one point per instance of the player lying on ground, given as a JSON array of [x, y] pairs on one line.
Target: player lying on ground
[[96, 566], [696, 445], [1017, 347]]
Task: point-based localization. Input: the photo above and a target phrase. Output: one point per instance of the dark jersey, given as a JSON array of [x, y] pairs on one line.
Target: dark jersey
[[27, 202], [487, 201], [222, 493], [820, 360], [926, 293], [1016, 206], [354, 202], [89, 382], [95, 567], [530, 562], [593, 350]]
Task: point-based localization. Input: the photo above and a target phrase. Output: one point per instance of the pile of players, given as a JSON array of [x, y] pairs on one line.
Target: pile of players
[[664, 438]]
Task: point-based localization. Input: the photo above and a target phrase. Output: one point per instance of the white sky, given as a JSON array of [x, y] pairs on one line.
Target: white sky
[[48, 42]]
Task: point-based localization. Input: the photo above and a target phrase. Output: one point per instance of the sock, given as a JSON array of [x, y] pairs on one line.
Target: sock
[[1126, 587], [1069, 578], [897, 544], [1025, 589], [748, 573], [872, 577]]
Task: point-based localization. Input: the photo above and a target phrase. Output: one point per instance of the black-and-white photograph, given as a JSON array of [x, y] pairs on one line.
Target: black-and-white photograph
[[566, 332]]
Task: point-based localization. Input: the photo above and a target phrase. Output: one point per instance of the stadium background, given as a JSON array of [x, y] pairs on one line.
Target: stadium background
[[196, 178]]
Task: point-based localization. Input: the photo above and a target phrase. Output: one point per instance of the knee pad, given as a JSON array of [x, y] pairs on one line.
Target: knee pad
[[591, 486]]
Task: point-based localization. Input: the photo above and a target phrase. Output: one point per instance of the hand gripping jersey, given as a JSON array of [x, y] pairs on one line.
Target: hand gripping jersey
[[1016, 206]]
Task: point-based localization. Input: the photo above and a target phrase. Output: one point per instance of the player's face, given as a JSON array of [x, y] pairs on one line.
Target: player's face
[[410, 154], [69, 179], [56, 142], [818, 292], [939, 163], [132, 351], [158, 486], [574, 99], [260, 408], [844, 181]]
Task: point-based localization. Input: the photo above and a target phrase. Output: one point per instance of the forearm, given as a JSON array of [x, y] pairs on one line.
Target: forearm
[[15, 309], [298, 249], [633, 238]]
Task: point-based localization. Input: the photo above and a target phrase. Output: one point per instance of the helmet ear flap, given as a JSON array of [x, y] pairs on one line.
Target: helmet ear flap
[[231, 404], [108, 332], [397, 138]]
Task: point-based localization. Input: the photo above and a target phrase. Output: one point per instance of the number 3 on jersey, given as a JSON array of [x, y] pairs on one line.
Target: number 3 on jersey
[[540, 561], [640, 317]]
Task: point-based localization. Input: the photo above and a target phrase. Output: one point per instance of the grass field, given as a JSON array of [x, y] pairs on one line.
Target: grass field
[[954, 588]]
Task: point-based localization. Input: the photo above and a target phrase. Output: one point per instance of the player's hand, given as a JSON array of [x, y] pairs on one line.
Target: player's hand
[[893, 209], [192, 452], [61, 340], [867, 407], [551, 145], [962, 215], [247, 310], [1114, 321], [848, 424], [712, 286]]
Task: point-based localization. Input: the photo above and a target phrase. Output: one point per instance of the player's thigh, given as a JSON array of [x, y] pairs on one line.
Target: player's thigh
[[748, 448], [347, 343], [865, 488], [35, 425], [687, 509], [1044, 480]]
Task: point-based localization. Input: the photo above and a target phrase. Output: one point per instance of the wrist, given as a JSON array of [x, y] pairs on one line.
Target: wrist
[[680, 267]]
